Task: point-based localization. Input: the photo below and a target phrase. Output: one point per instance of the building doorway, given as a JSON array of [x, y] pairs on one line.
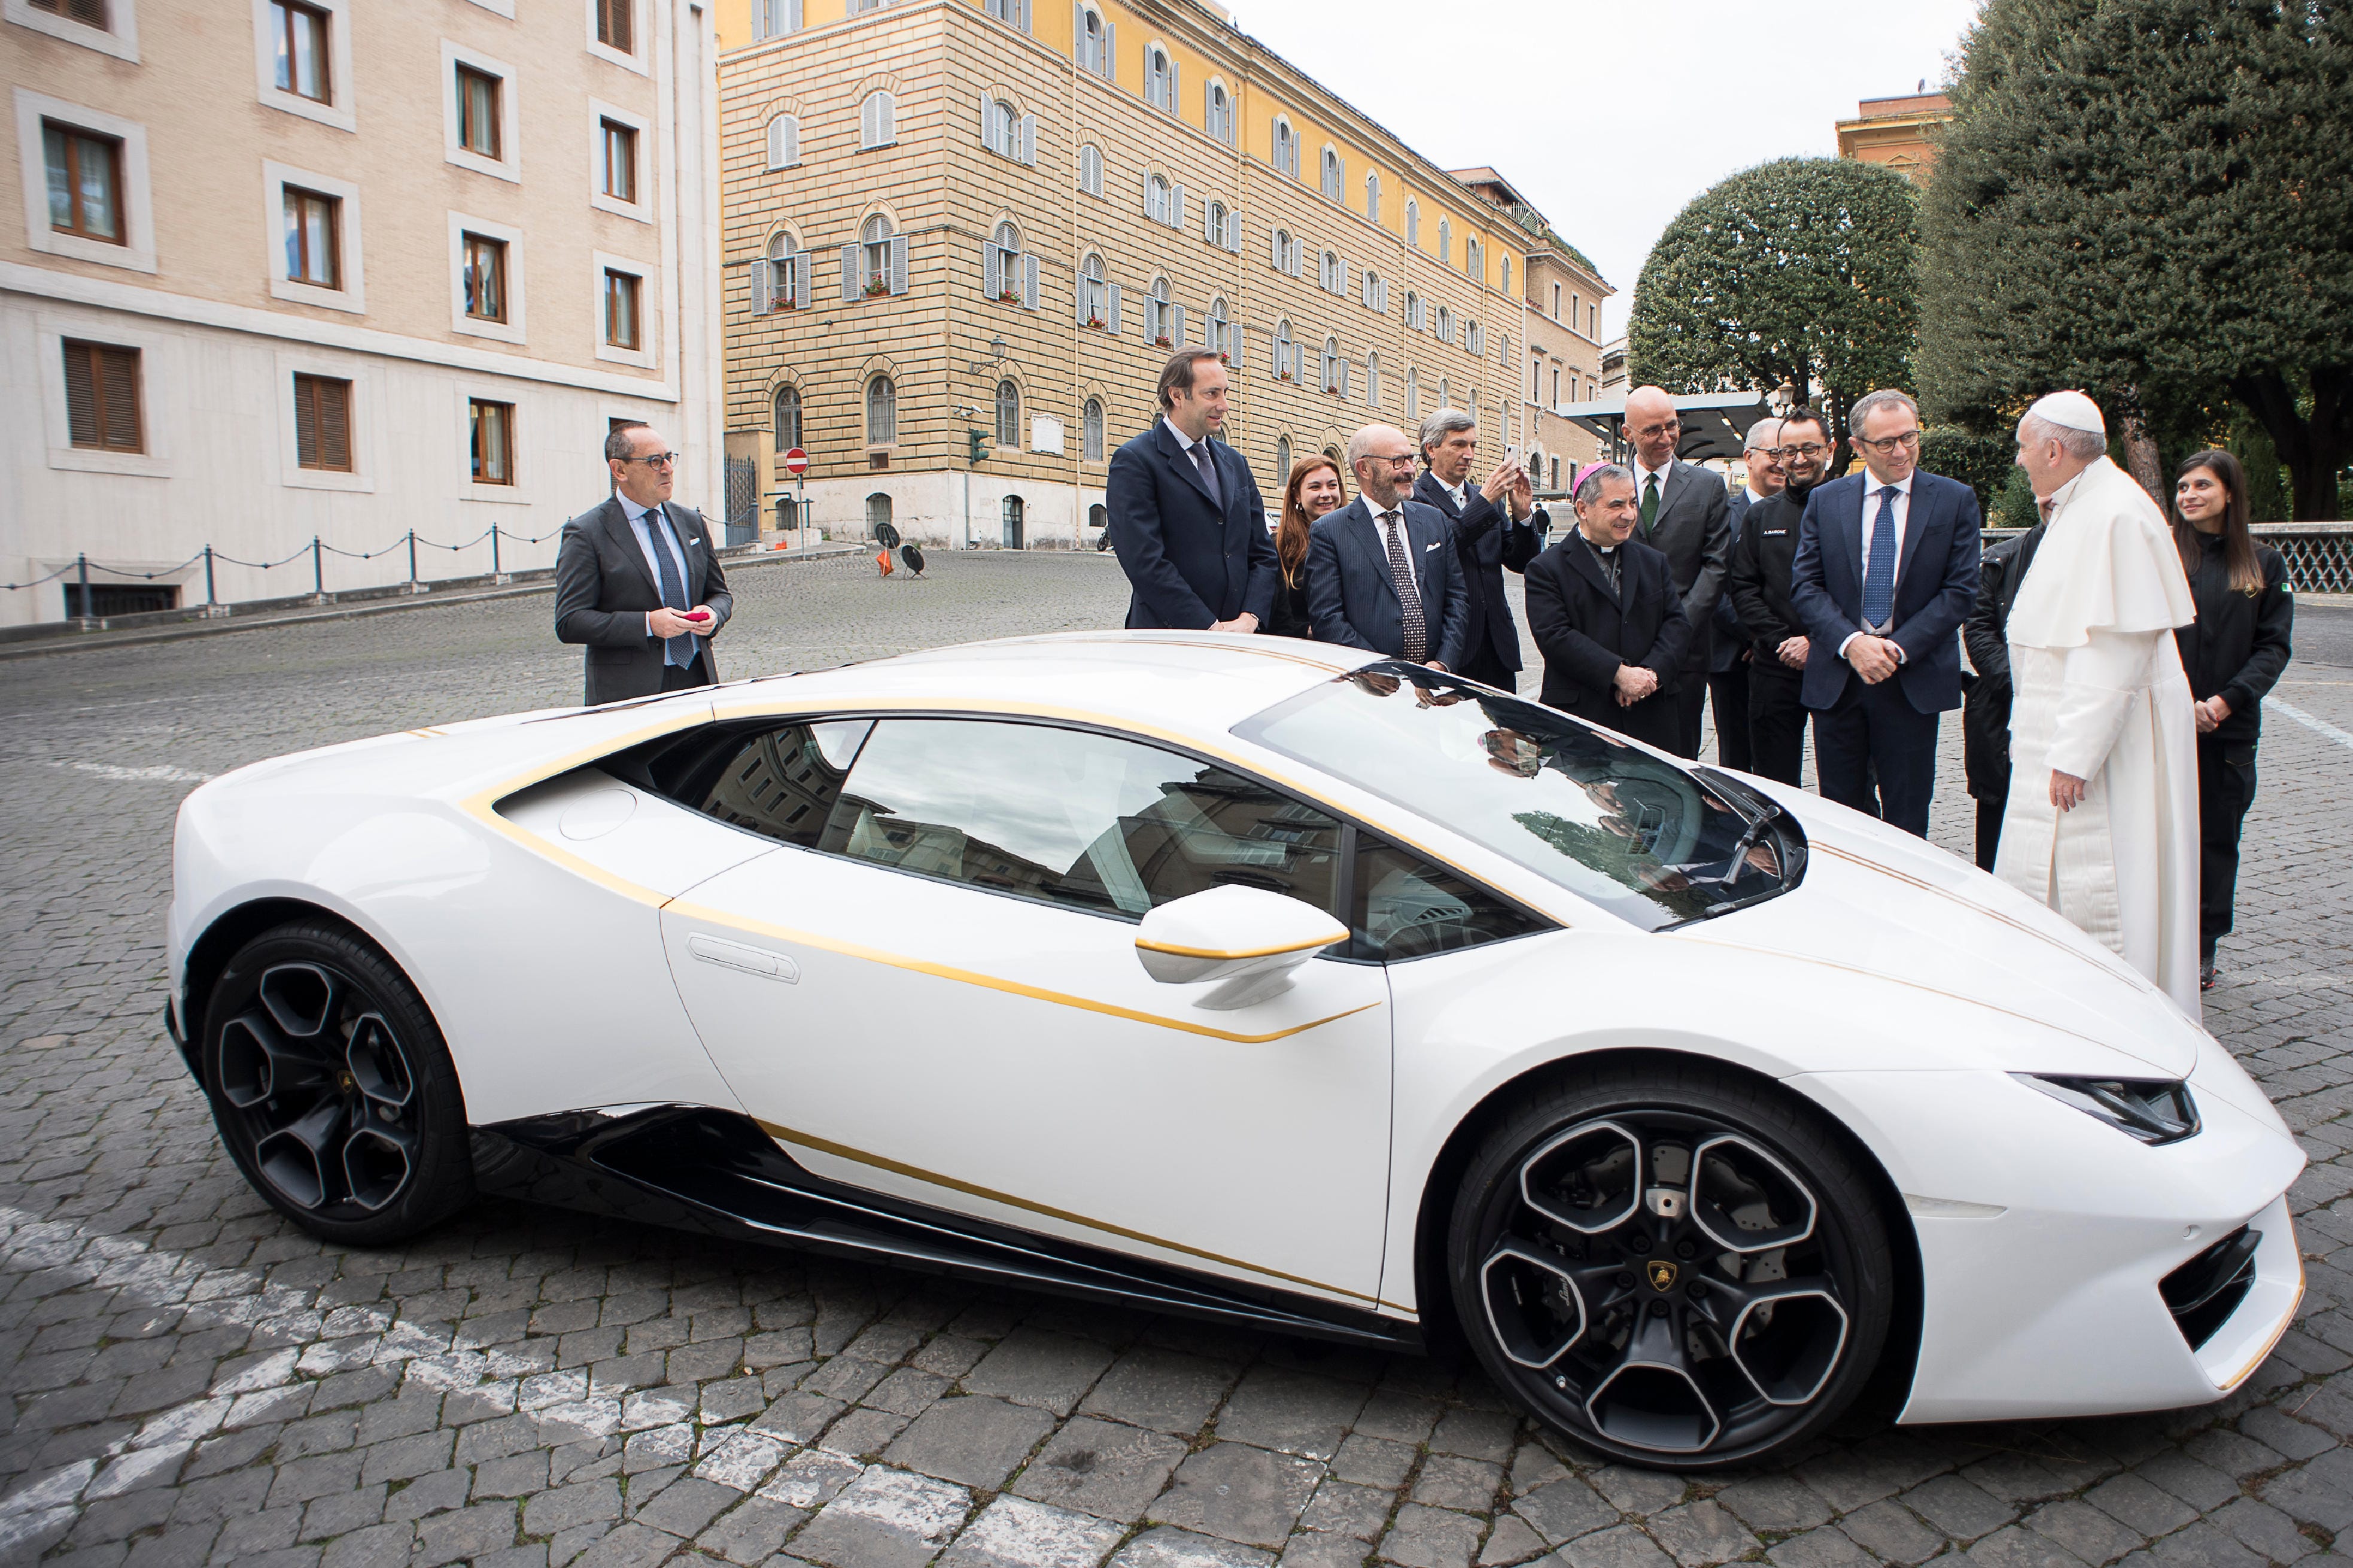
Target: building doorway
[[1012, 539], [877, 514]]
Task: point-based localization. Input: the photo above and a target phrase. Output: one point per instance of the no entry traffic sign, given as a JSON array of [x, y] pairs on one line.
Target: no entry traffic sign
[[796, 462]]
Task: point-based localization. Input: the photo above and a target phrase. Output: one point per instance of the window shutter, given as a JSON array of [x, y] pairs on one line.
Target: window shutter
[[1340, 279], [1110, 51], [849, 274], [118, 374], [1079, 32], [1176, 326], [1234, 232], [1079, 289], [1274, 249], [1172, 99], [335, 424], [777, 143], [81, 394], [992, 268], [1343, 378], [1148, 197], [886, 116], [1234, 345], [866, 122], [306, 421], [801, 287], [1111, 317], [1021, 14], [1176, 206], [898, 264], [1209, 210], [792, 16], [987, 111], [763, 287], [1029, 282], [1029, 151]]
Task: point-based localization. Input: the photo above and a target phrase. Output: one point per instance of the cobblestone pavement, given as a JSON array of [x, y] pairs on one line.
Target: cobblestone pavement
[[190, 1380]]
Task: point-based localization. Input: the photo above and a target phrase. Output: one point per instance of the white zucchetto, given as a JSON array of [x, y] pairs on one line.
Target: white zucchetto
[[2071, 410]]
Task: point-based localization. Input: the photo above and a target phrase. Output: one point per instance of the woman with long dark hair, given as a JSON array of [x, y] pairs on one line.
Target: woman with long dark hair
[[2231, 653], [1313, 491]]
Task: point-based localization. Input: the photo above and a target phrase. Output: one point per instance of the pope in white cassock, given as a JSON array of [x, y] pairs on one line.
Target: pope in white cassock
[[2102, 820]]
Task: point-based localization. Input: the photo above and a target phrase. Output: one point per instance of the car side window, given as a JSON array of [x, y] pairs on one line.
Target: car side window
[[1070, 817], [1408, 907], [782, 783]]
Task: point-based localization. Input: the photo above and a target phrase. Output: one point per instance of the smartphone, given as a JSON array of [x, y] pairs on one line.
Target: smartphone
[[1511, 456], [698, 616]]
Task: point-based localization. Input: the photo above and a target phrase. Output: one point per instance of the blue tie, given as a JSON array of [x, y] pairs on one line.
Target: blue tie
[[679, 650], [1205, 462], [1879, 568]]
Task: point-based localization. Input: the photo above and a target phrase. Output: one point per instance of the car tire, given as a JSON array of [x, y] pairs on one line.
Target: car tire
[[1675, 1266], [333, 1089]]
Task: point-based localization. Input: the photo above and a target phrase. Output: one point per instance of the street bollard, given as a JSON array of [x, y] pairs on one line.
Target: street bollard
[[412, 561], [209, 599], [82, 564], [317, 570], [494, 552]]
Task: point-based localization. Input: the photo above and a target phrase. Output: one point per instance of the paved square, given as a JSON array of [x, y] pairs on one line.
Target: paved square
[[189, 1380]]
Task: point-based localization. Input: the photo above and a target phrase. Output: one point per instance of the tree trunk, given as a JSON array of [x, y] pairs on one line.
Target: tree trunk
[[2314, 449], [2141, 460]]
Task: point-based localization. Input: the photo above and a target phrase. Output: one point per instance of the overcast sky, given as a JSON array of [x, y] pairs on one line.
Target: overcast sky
[[1610, 116]]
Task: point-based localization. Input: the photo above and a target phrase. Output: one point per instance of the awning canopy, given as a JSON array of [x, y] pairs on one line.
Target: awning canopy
[[1716, 424]]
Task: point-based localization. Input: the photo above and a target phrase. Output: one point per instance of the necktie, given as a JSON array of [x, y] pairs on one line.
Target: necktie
[[1879, 567], [1408, 593], [678, 650], [1208, 467], [1649, 504]]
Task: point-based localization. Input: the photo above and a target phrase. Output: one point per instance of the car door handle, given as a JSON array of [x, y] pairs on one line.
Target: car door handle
[[750, 960]]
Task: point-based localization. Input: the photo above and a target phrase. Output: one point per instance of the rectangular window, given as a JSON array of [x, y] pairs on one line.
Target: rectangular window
[[85, 182], [322, 424], [491, 438], [617, 160], [621, 291], [477, 111], [300, 32], [90, 12], [613, 24], [103, 396], [313, 243], [485, 273]]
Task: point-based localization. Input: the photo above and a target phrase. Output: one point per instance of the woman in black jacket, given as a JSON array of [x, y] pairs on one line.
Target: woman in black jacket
[[1313, 491], [2231, 653]]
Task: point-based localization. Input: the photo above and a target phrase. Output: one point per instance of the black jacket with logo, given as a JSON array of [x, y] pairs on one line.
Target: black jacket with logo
[[1759, 579]]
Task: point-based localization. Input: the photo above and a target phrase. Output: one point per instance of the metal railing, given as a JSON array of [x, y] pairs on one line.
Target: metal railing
[[2319, 555]]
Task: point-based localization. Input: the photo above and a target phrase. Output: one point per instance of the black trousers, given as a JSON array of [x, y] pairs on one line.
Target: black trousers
[[1690, 698], [2226, 787], [1483, 666], [676, 679], [1875, 730], [1777, 721], [1990, 831], [1728, 690]]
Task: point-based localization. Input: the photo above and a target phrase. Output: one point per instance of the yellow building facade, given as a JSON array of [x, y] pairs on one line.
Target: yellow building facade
[[956, 229]]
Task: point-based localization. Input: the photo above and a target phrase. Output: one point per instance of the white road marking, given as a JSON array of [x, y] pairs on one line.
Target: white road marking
[[2309, 722], [136, 775]]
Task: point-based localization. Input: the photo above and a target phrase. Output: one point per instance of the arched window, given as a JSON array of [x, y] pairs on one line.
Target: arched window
[[1474, 337], [1413, 310], [1157, 323], [1372, 380], [1412, 396], [784, 141], [1281, 459], [874, 254], [1286, 148], [1332, 275], [1090, 172], [1009, 414], [1507, 274], [1330, 174], [1283, 252], [877, 121], [1285, 367], [1474, 260], [1001, 266], [1155, 198], [1331, 365], [1374, 292], [1000, 129], [1445, 324], [1094, 43], [1445, 243], [1159, 80], [882, 411], [1218, 114], [787, 426], [1412, 222], [877, 512], [1216, 226], [1474, 406], [1219, 340], [1373, 195], [1445, 393], [1011, 513], [787, 280], [1091, 431], [1093, 303]]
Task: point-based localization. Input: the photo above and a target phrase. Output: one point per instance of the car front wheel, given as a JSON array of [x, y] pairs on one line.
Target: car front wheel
[[333, 1089], [1674, 1266]]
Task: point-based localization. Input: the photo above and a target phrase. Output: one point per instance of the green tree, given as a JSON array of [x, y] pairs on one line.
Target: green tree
[[1797, 271], [2151, 200]]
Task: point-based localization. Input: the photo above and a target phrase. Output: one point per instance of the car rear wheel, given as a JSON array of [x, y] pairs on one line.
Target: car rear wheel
[[1672, 1264], [333, 1089]]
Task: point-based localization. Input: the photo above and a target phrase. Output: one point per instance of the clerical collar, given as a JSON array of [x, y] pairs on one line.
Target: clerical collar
[[2058, 497]]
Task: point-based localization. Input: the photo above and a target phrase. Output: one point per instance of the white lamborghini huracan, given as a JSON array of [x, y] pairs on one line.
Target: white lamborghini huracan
[[1259, 980]]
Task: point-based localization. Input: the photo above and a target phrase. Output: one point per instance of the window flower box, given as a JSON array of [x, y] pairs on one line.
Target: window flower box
[[1162, 341], [1008, 297], [1095, 321], [877, 289]]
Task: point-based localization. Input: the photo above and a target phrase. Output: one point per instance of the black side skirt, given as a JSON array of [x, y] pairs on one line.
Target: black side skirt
[[694, 1168]]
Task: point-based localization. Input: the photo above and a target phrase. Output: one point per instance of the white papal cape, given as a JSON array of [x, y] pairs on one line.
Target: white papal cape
[[2099, 693]]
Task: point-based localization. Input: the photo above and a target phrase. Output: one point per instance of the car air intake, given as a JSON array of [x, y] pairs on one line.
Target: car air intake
[[2203, 1292]]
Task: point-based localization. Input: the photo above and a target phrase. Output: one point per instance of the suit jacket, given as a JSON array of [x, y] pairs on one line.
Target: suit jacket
[[1585, 632], [1985, 687], [1486, 540], [604, 588], [1759, 578], [1693, 532], [1935, 583], [1190, 561], [1353, 599], [1727, 640]]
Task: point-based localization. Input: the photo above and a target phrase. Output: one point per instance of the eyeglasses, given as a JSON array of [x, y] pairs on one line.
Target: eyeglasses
[[1783, 454], [655, 460], [1887, 443], [1403, 460]]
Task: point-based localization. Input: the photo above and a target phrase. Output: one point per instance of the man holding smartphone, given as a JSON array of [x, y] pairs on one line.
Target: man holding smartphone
[[627, 572], [1497, 526]]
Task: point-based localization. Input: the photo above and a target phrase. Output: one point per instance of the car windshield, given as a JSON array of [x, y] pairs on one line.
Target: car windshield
[[1654, 843]]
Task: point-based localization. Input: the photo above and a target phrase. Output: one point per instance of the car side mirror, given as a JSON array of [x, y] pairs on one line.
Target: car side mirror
[[1247, 937]]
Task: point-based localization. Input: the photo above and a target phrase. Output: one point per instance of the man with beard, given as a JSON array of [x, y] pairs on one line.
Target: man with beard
[[1761, 559]]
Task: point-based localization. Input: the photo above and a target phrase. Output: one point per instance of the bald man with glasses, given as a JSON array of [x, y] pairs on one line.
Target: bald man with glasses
[[638, 579]]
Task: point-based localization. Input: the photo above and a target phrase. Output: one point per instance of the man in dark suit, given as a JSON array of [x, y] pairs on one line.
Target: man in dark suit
[[627, 572], [1760, 592], [1495, 527], [1186, 517], [1382, 572], [1728, 658], [1985, 686], [1603, 610], [1887, 569], [1683, 515]]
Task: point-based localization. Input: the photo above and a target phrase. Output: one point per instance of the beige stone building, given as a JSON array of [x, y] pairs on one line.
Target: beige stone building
[[959, 230], [1897, 132], [292, 269]]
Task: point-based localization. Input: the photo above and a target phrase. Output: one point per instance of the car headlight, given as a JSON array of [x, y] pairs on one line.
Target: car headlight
[[2151, 1111]]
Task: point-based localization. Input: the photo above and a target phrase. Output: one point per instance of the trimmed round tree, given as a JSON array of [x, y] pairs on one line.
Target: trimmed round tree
[[1797, 271]]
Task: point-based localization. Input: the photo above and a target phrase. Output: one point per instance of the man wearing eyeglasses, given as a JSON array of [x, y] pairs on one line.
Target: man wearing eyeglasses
[[1727, 665], [1683, 514], [637, 579], [1886, 570]]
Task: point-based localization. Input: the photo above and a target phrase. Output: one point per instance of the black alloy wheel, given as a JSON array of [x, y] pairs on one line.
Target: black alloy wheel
[[333, 1089], [1674, 1265]]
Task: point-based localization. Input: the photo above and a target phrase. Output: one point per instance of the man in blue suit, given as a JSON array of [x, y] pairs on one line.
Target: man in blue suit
[[1886, 570], [1382, 572], [1186, 517]]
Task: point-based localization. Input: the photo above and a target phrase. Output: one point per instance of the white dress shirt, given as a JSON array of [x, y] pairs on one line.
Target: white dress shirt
[[1643, 479], [646, 536], [1755, 499], [1871, 489]]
